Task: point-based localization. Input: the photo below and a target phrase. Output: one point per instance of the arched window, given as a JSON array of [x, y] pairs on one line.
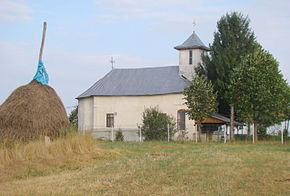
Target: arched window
[[181, 119]]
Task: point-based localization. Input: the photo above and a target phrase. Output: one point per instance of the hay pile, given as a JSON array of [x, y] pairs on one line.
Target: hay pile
[[31, 111]]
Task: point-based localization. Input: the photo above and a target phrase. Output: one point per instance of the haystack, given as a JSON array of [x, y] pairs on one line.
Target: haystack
[[32, 110]]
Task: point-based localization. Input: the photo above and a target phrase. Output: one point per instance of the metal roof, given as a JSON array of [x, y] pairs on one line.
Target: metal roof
[[225, 119], [192, 42], [138, 81]]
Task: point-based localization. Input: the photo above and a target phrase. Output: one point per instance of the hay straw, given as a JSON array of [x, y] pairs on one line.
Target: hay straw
[[32, 110]]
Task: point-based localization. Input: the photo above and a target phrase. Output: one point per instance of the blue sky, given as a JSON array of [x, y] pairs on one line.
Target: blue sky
[[82, 35]]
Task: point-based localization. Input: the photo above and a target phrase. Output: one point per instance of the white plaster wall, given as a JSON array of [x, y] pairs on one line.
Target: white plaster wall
[[85, 114], [184, 56], [184, 67], [128, 110]]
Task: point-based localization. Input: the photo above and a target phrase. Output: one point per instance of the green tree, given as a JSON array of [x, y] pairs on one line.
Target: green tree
[[73, 117], [155, 124], [233, 40], [200, 100], [261, 95]]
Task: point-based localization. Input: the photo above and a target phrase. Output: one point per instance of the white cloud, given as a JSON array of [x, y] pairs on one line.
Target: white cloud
[[14, 11]]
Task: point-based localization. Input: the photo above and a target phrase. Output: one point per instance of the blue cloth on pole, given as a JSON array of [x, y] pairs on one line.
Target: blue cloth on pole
[[41, 76]]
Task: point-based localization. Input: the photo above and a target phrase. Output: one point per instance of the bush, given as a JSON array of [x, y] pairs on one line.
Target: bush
[[73, 117], [155, 124], [119, 136]]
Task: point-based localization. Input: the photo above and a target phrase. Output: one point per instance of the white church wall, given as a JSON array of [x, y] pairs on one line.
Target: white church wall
[[184, 56], [85, 114], [128, 110], [185, 68]]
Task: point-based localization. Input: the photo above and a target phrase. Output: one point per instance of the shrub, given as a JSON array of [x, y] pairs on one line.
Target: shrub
[[119, 136], [155, 124], [73, 117]]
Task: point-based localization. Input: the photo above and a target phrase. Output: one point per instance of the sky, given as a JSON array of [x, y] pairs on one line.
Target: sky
[[83, 35]]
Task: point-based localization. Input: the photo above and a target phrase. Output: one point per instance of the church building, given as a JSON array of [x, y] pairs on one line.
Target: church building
[[118, 100]]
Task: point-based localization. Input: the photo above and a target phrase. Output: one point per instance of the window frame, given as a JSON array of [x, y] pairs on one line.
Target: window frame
[[110, 118], [181, 119], [190, 57]]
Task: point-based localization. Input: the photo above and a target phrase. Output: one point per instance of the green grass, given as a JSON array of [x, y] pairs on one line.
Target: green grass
[[161, 168]]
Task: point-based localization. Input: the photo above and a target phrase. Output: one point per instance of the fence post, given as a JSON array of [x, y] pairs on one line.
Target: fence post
[[168, 136], [225, 133], [112, 134], [253, 135], [282, 135], [195, 133], [140, 134]]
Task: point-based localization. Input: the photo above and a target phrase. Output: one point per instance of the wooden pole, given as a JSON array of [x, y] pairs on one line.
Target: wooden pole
[[42, 41], [140, 134], [112, 133], [253, 136], [282, 134], [225, 133], [232, 129], [168, 136], [195, 134]]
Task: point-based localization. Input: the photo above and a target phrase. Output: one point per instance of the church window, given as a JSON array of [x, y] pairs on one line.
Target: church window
[[110, 120], [190, 57], [181, 119]]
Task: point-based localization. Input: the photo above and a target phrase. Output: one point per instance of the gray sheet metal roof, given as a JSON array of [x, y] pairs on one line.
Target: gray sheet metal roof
[[138, 81], [225, 119], [192, 42]]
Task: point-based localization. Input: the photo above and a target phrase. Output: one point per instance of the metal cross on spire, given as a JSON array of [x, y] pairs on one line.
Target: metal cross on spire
[[193, 24], [112, 62]]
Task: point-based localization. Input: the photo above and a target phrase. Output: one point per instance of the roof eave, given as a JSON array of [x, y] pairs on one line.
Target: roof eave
[[78, 98], [191, 47]]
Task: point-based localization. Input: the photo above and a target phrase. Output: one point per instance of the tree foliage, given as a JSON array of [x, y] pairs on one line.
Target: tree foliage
[[119, 136], [73, 117], [200, 99], [261, 95], [233, 40], [155, 124]]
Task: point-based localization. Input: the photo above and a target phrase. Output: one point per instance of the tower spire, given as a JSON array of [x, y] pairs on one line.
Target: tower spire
[[190, 53]]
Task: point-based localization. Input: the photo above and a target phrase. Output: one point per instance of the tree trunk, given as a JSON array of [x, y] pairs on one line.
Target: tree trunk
[[225, 134], [232, 136], [256, 128]]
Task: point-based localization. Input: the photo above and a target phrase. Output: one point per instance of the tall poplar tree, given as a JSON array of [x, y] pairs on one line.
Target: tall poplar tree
[[233, 40]]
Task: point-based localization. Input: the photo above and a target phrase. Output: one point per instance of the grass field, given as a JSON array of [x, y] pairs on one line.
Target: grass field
[[152, 168]]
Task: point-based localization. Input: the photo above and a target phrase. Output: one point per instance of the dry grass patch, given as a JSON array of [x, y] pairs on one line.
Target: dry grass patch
[[22, 160], [160, 168]]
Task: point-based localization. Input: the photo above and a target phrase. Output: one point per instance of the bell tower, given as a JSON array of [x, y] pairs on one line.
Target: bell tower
[[190, 53]]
